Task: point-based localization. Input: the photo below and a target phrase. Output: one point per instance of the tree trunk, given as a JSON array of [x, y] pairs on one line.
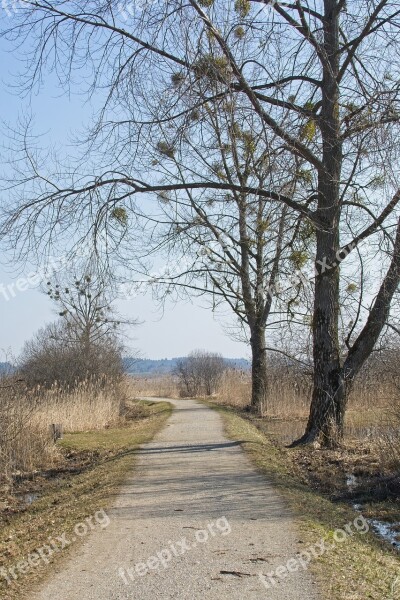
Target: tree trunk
[[332, 382], [326, 421], [258, 369], [329, 393], [329, 390]]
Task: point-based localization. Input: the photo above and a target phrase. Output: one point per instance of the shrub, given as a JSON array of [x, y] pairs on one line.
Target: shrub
[[52, 358], [200, 373]]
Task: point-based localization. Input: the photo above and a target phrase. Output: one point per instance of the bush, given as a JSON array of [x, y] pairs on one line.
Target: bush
[[200, 373], [51, 359]]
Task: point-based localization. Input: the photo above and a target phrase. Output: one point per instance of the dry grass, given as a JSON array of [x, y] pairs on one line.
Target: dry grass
[[289, 397], [388, 442], [65, 501], [371, 401], [235, 389], [87, 407], [25, 444], [164, 386], [26, 416], [361, 567]]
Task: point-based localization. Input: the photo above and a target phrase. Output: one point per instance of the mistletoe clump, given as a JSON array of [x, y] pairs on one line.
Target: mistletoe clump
[[214, 68], [166, 149]]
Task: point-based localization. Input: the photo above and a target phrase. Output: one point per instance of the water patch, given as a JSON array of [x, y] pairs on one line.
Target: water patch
[[387, 531], [28, 498], [390, 532], [351, 482]]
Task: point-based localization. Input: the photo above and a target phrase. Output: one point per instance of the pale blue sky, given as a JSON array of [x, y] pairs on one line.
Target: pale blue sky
[[182, 328]]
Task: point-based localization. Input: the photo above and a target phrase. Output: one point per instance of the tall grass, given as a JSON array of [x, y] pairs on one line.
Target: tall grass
[[388, 440], [289, 393], [86, 407], [25, 445], [372, 416], [164, 386], [26, 415]]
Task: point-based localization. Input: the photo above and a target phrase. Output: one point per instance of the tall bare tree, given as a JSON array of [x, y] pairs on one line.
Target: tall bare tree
[[234, 247], [320, 78]]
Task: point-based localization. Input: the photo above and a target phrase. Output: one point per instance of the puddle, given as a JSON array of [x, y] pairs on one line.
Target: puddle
[[387, 531], [28, 498], [351, 482]]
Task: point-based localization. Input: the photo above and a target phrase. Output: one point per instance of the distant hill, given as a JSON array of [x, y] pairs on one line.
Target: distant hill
[[164, 366]]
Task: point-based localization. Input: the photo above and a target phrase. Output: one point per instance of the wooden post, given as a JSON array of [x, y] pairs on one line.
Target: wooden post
[[56, 431]]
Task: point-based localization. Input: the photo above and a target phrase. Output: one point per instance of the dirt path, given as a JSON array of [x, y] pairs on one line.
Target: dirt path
[[199, 517]]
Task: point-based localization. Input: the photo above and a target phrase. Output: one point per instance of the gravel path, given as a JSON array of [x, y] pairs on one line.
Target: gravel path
[[193, 521]]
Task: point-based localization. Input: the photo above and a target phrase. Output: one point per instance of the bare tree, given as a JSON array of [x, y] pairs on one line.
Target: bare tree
[[84, 303], [235, 247], [320, 80], [200, 372], [51, 358], [85, 341], [189, 380]]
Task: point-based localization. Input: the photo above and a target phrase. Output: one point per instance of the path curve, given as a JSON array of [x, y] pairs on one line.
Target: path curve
[[198, 515]]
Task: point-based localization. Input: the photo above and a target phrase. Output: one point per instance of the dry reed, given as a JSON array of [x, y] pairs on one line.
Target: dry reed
[[164, 386], [26, 416]]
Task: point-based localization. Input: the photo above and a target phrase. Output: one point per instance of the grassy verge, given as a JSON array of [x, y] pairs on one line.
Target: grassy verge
[[103, 459], [359, 568]]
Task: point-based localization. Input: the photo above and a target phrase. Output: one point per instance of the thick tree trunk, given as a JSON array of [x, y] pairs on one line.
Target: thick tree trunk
[[329, 389], [326, 421], [329, 393], [258, 369], [332, 382]]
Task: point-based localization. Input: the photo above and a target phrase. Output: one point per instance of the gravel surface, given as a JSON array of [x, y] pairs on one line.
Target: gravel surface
[[194, 521]]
